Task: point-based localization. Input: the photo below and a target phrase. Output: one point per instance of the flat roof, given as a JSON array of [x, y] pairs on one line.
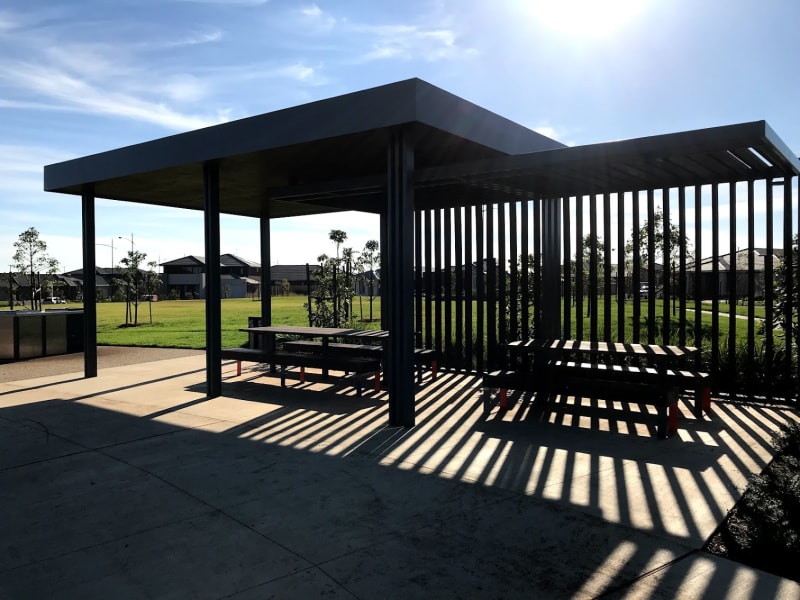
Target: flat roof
[[331, 155], [342, 138]]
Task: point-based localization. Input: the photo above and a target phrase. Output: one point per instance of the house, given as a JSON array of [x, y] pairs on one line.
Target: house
[[240, 278], [72, 288], [44, 285], [298, 277], [738, 269]]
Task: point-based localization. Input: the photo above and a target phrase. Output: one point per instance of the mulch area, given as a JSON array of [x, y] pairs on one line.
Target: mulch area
[[107, 356]]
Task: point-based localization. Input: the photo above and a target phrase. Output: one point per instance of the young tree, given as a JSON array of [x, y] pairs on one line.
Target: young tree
[[786, 294], [152, 283], [131, 283], [337, 236], [370, 257], [675, 240], [586, 262], [31, 257]]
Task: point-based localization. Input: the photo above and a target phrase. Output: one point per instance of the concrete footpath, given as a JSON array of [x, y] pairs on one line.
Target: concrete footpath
[[135, 485]]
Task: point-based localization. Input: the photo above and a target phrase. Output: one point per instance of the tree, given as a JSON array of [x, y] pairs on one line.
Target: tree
[[675, 240], [337, 236], [586, 262], [31, 257], [52, 283], [787, 294], [333, 293], [131, 283], [152, 283], [370, 257]]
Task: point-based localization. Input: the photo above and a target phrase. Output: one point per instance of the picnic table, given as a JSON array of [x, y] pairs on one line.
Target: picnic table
[[368, 342], [325, 358], [578, 366], [656, 355]]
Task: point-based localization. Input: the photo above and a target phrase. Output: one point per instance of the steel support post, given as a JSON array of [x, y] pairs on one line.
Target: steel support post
[[266, 270], [398, 278], [89, 283], [213, 286], [550, 301]]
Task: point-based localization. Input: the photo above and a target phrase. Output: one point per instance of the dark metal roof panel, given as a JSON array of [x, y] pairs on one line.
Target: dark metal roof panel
[[345, 136]]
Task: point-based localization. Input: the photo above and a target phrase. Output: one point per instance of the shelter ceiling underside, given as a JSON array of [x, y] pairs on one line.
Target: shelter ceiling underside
[[349, 172]]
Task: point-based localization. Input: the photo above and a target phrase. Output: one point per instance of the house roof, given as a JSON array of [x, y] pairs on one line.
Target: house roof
[[743, 260], [225, 260], [291, 272], [185, 261]]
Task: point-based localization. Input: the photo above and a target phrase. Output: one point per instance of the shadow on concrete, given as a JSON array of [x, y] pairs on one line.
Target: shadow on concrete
[[300, 492]]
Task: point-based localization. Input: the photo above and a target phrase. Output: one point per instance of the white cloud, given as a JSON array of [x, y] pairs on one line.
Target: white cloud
[[184, 88], [196, 39], [74, 92], [320, 19], [227, 2], [412, 42], [298, 71]]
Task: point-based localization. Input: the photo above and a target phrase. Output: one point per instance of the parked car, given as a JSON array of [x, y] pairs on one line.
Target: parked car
[[644, 290], [54, 300]]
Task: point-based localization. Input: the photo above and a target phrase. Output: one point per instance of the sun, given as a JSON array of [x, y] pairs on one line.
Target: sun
[[585, 18]]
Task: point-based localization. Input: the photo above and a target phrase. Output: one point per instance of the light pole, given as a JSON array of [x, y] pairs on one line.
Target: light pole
[[135, 283], [111, 245], [130, 239]]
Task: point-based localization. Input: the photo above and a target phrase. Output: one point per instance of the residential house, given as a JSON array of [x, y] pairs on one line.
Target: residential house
[[239, 278], [737, 270]]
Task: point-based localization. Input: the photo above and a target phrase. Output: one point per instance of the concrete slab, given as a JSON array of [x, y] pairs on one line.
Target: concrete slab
[[133, 484]]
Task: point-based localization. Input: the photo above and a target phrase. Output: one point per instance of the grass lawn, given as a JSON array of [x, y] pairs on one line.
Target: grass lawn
[[181, 323]]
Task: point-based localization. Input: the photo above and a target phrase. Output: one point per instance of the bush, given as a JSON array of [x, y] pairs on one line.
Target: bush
[[763, 529]]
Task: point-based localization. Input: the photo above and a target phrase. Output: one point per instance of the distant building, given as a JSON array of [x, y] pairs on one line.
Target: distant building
[[105, 286], [240, 278], [298, 277], [738, 272]]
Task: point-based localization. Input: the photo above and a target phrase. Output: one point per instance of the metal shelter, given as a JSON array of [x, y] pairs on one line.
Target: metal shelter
[[394, 150]]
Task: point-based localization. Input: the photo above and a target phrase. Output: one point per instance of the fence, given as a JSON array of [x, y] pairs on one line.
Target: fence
[[696, 265]]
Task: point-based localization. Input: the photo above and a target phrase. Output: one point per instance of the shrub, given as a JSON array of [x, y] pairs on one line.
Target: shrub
[[763, 529]]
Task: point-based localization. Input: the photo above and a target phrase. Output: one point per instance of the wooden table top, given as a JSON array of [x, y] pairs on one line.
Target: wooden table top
[[301, 330], [618, 348]]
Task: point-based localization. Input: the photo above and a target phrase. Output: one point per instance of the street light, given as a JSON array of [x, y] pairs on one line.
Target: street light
[[111, 245], [136, 277], [130, 239]]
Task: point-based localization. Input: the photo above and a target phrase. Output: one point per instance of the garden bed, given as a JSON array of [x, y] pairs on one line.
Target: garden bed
[[763, 529]]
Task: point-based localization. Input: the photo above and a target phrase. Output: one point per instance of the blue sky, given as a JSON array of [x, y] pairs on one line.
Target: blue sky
[[84, 76]]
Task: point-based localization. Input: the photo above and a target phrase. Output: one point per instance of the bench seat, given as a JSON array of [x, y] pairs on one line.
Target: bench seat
[[360, 365], [422, 356], [653, 386]]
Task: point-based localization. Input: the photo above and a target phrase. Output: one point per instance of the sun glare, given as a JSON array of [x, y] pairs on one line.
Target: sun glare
[[585, 18]]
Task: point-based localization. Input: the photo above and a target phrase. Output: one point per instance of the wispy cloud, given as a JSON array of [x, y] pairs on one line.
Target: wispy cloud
[[81, 94], [300, 72], [195, 39], [320, 19], [21, 167], [412, 42], [226, 2]]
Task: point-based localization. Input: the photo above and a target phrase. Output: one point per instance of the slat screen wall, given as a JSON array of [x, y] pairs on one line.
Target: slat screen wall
[[479, 280]]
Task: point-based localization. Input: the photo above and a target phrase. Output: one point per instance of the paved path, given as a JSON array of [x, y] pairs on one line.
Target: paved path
[[134, 484], [107, 357]]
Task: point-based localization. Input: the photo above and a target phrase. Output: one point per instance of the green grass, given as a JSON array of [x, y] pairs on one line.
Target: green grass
[[741, 309], [705, 320], [181, 323]]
